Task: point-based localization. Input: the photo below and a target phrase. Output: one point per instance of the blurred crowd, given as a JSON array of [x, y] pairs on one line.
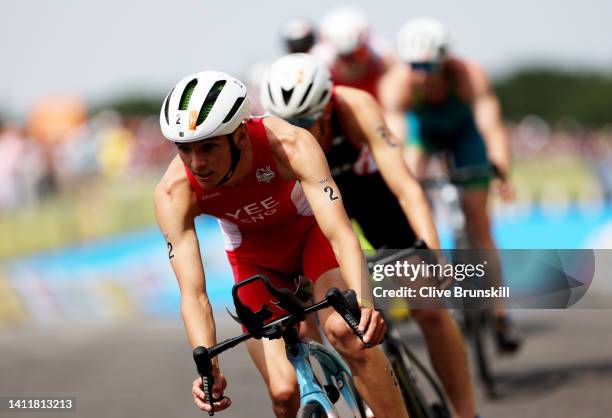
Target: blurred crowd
[[34, 166], [534, 138], [61, 146]]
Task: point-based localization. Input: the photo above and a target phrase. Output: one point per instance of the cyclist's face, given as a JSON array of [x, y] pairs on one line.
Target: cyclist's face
[[208, 160], [360, 55], [424, 74]]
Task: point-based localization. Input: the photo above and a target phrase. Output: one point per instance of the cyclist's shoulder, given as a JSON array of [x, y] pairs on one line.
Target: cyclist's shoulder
[[279, 133], [353, 105], [352, 98], [281, 137], [466, 65], [395, 88], [174, 189], [285, 142], [470, 76]]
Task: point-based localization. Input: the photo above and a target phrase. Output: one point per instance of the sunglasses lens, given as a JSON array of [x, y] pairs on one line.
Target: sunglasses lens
[[302, 122], [428, 67], [306, 121]]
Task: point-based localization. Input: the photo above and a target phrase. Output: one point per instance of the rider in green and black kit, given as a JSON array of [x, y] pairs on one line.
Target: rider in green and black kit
[[378, 191], [439, 102]]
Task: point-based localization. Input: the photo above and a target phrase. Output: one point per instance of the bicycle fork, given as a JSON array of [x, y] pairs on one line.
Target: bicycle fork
[[310, 392]]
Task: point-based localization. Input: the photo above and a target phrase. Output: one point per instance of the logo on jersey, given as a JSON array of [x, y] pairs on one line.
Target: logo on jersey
[[255, 212], [264, 174]]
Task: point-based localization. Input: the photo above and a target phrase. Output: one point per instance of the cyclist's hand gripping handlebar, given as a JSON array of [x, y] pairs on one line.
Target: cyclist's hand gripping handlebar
[[204, 365], [345, 303]]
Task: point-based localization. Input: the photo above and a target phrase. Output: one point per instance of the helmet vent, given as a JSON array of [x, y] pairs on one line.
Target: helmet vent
[[186, 96], [323, 96], [234, 109], [306, 94], [210, 100], [270, 94], [287, 95], [167, 106]]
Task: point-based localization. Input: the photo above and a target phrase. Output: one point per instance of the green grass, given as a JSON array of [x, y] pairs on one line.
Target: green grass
[[554, 179], [93, 210]]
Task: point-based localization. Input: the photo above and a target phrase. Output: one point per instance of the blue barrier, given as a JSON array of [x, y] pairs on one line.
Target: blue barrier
[[129, 275]]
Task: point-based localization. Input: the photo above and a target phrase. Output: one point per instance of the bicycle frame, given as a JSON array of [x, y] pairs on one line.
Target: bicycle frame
[[336, 373]]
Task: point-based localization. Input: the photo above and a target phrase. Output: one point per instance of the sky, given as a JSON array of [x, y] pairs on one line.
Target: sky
[[104, 49]]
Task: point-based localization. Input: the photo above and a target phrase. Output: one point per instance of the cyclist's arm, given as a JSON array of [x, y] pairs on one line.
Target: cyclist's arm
[[299, 152], [394, 97], [367, 121], [176, 210], [487, 112]]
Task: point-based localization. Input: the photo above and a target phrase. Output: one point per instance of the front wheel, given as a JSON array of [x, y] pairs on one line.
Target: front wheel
[[311, 410]]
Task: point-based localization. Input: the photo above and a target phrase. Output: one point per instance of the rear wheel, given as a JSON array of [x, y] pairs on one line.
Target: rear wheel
[[311, 410], [413, 398], [482, 339]]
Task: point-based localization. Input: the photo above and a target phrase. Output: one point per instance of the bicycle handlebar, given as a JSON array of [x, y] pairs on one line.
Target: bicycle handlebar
[[345, 303], [389, 255]]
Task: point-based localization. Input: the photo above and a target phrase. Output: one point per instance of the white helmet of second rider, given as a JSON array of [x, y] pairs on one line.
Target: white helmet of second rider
[[204, 105], [345, 28], [423, 40], [296, 85]]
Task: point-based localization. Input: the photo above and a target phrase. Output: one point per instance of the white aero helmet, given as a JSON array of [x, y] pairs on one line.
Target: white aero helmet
[[295, 86], [204, 105], [345, 28], [298, 35], [423, 40]]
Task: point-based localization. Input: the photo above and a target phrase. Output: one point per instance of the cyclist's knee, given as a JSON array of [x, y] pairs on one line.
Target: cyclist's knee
[[343, 339], [285, 397], [430, 318]]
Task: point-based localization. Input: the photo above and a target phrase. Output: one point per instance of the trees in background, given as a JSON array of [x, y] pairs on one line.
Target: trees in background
[[557, 96]]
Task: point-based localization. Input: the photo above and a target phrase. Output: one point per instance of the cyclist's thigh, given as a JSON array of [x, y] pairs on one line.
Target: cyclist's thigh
[[317, 255], [320, 265], [271, 360], [469, 150]]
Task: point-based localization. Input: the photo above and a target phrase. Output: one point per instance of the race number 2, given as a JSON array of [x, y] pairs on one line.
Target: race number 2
[[170, 255], [329, 190]]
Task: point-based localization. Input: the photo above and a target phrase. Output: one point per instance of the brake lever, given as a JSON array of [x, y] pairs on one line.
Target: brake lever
[[348, 308], [204, 365]]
